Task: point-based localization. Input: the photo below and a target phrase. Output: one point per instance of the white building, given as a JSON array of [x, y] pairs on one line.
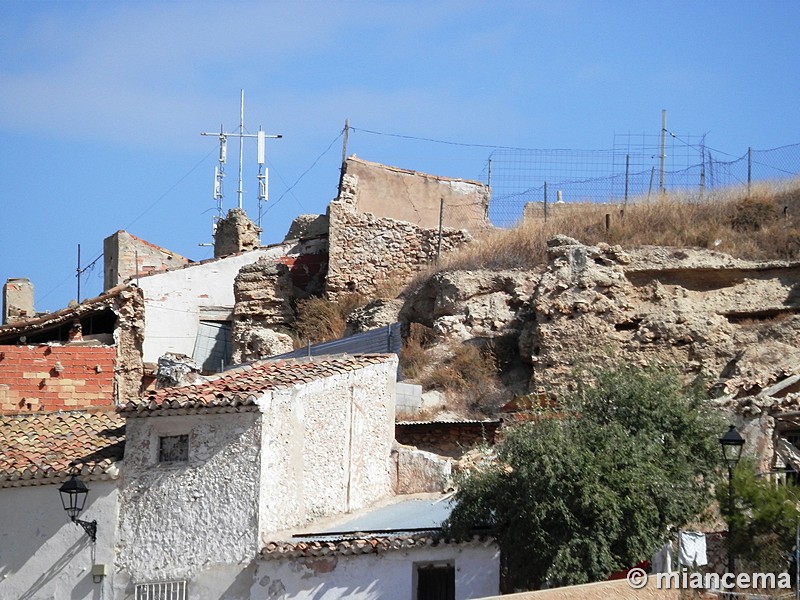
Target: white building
[[43, 555], [214, 476]]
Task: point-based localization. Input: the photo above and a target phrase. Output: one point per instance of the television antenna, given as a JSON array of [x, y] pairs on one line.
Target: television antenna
[[219, 170]]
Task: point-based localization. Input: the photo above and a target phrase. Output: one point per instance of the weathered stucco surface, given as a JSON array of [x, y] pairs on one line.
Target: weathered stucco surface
[[319, 448], [178, 517], [44, 555], [176, 300], [415, 197], [376, 576], [326, 446]]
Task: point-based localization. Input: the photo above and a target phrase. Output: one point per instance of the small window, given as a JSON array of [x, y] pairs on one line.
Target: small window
[[162, 590], [436, 581], [173, 448]]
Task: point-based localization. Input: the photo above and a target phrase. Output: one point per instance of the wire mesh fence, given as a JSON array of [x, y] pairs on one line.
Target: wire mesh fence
[[635, 169]]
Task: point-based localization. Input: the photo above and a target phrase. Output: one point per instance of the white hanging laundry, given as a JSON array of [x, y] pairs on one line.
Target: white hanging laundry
[[692, 551], [661, 561]]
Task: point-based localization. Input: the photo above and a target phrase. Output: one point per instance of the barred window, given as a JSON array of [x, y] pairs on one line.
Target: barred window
[[173, 448], [161, 590]]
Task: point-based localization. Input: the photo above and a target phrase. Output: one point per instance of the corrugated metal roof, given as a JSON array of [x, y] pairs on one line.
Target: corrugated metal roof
[[376, 341]]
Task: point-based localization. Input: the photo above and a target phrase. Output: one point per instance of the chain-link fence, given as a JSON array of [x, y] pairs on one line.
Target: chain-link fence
[[633, 169]]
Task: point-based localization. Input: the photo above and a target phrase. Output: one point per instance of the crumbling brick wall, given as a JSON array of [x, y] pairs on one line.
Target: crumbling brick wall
[[49, 377], [365, 250]]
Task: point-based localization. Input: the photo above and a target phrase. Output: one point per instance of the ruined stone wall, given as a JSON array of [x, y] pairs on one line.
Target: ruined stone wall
[[125, 256], [236, 233], [416, 198], [129, 338], [262, 312], [446, 438], [365, 251], [17, 300]]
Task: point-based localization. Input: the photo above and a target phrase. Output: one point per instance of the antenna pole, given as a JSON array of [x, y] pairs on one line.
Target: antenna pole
[[220, 171], [78, 273], [239, 192], [344, 142], [663, 156]]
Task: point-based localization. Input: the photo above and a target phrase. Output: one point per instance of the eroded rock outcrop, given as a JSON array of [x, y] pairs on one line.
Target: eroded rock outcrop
[[262, 312], [697, 309]]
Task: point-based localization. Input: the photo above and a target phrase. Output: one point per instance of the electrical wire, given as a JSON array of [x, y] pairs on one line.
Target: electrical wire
[[303, 174]]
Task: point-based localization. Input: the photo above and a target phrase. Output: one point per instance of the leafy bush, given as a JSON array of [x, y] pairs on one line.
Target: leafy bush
[[597, 485], [765, 517]]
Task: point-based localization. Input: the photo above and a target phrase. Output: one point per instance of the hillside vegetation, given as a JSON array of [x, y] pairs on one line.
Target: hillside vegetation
[[761, 225]]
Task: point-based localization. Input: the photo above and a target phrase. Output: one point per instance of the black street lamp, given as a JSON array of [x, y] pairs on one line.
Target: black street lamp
[[732, 444], [73, 498]]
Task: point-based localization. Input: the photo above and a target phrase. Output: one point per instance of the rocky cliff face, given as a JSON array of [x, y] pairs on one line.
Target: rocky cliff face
[[735, 322]]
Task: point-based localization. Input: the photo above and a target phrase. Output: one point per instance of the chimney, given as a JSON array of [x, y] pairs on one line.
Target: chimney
[[17, 300]]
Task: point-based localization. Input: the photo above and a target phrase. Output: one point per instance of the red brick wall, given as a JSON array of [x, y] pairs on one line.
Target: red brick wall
[[46, 378]]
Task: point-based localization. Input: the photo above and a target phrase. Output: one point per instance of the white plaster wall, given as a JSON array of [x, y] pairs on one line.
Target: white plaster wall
[[178, 520], [388, 576], [326, 446], [173, 299], [44, 555]]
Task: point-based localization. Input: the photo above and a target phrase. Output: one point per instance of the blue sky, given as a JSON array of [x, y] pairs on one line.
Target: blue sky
[[102, 103]]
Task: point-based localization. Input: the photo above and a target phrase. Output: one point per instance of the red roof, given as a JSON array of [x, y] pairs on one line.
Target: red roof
[[40, 447], [237, 388]]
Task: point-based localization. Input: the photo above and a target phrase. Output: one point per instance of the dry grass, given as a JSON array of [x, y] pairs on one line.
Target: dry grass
[[469, 378], [760, 226], [319, 320], [413, 355]]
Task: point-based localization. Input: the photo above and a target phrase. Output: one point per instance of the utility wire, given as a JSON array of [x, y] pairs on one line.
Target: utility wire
[[424, 139], [304, 173]]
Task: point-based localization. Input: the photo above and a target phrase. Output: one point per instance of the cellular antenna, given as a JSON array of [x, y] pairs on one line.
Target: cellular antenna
[[219, 171]]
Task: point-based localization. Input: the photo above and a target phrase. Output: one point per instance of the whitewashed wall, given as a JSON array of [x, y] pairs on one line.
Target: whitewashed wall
[[326, 446], [44, 555], [388, 576], [173, 299], [178, 520]]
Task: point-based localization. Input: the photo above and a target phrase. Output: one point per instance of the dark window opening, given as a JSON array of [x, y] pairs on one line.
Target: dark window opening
[[436, 582], [98, 325], [173, 448]]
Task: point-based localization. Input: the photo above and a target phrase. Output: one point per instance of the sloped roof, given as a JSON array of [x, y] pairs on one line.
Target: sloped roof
[[40, 448], [237, 388], [366, 544], [88, 306], [405, 522]]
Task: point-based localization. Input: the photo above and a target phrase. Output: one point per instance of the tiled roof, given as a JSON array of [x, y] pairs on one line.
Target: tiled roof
[[36, 448], [365, 545], [237, 388], [89, 305]]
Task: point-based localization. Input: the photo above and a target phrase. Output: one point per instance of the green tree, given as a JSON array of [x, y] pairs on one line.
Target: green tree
[[765, 518], [595, 487]]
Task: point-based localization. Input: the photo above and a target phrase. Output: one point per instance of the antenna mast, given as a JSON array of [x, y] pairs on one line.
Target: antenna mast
[[219, 171]]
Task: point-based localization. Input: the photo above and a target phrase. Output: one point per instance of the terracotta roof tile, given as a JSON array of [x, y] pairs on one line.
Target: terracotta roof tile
[[365, 545], [239, 387], [36, 448]]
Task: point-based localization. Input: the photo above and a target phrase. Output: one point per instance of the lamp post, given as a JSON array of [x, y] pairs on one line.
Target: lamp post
[[732, 444], [73, 498]]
